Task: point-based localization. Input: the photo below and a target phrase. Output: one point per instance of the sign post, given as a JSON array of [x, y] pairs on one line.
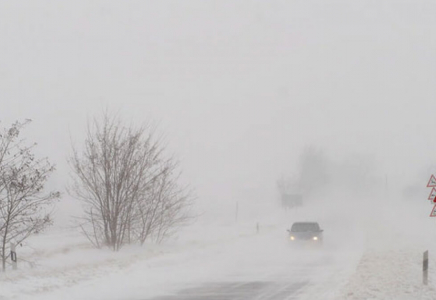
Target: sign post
[[432, 197]]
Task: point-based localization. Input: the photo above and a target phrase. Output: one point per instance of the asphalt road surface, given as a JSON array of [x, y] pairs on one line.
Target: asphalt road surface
[[240, 291]]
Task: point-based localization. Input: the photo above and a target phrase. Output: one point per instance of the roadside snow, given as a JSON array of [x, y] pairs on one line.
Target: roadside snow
[[391, 274], [397, 234]]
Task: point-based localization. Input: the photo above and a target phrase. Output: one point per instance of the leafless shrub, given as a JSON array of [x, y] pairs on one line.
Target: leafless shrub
[[127, 187]]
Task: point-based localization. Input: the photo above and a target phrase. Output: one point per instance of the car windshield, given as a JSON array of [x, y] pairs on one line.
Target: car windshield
[[305, 227]]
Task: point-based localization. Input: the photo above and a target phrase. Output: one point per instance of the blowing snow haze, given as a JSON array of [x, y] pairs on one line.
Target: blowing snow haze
[[336, 98], [239, 87]]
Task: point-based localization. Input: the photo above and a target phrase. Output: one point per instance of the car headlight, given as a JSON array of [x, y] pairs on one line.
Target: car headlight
[[292, 238], [315, 238]]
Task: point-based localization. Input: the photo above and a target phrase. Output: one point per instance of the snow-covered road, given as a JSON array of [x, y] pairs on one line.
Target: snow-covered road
[[268, 267]]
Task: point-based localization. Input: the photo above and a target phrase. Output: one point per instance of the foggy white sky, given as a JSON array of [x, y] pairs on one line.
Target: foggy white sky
[[240, 87]]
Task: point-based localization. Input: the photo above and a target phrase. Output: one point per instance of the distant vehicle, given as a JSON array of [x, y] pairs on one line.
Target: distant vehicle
[[309, 232]]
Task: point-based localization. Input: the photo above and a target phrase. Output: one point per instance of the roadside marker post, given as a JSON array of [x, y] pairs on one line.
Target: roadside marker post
[[425, 268], [13, 256]]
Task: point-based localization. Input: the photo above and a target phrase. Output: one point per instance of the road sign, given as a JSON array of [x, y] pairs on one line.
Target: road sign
[[432, 194], [433, 212], [432, 181]]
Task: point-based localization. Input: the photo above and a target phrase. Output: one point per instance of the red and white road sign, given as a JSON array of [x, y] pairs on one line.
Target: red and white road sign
[[433, 212], [432, 194], [432, 181]]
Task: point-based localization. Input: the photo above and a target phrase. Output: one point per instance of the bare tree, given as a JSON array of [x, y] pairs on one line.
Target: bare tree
[[163, 208], [24, 207], [119, 177]]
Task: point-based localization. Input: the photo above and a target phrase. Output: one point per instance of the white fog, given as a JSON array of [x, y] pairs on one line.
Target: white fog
[[273, 112]]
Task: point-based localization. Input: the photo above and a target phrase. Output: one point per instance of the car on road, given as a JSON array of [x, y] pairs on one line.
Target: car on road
[[308, 232]]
